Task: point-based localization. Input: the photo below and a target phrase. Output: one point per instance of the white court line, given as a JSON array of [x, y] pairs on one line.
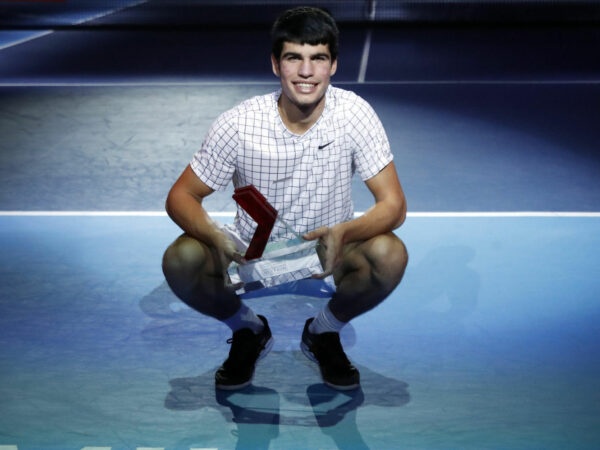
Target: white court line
[[108, 13], [22, 41], [276, 83], [425, 214], [78, 22], [506, 214], [364, 60], [515, 82], [140, 83], [14, 447], [85, 214]]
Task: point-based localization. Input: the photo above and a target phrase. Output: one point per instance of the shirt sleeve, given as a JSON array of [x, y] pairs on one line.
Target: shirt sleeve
[[214, 162], [372, 148]]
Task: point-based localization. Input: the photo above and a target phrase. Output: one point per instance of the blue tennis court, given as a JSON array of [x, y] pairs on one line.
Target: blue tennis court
[[491, 340]]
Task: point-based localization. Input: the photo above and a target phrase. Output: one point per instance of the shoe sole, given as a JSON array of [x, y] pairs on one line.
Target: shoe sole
[[308, 353], [337, 387], [234, 387]]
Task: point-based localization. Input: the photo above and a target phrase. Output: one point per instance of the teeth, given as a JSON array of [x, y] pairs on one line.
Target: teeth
[[305, 85]]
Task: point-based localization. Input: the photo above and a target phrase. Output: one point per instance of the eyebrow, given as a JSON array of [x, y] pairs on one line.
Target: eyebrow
[[315, 55]]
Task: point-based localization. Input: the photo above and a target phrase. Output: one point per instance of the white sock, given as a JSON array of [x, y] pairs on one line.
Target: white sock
[[325, 322], [244, 318]]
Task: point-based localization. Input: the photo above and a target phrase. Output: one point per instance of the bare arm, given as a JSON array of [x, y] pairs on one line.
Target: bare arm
[[184, 207], [388, 213]]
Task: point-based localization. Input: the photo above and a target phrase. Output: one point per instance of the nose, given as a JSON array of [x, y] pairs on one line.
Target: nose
[[306, 69]]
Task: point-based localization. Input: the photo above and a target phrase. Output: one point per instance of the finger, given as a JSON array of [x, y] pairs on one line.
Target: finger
[[315, 234], [233, 286], [225, 261], [327, 270], [239, 258], [309, 236], [322, 275]]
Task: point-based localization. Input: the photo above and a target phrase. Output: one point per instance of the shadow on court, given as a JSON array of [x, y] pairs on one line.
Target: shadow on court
[[295, 401]]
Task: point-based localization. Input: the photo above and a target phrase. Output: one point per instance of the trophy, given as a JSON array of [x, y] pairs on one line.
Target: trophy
[[275, 263]]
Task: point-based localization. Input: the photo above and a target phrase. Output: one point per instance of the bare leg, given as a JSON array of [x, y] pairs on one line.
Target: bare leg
[[194, 273], [370, 271]]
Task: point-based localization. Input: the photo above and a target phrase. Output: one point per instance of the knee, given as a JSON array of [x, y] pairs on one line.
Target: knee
[[388, 257], [185, 255]]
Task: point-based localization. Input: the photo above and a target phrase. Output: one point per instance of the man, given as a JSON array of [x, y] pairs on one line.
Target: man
[[300, 147]]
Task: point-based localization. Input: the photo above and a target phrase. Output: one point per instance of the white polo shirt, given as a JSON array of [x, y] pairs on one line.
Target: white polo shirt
[[307, 177]]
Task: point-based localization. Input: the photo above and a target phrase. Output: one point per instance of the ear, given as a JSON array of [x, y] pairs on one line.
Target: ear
[[275, 65], [333, 69]]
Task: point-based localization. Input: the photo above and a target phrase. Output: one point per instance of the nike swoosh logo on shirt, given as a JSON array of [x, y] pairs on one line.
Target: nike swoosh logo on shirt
[[321, 147]]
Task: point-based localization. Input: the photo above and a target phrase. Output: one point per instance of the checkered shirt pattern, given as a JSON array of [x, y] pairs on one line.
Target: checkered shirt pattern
[[307, 177]]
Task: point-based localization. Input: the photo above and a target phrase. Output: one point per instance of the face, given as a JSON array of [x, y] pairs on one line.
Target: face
[[305, 71]]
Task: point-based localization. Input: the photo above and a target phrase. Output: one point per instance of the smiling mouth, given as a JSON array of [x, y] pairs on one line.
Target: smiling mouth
[[303, 86]]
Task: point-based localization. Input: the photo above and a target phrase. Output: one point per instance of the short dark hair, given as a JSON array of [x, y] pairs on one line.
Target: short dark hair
[[305, 25]]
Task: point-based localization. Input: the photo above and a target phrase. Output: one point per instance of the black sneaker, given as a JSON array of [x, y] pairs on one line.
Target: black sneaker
[[326, 350], [246, 349]]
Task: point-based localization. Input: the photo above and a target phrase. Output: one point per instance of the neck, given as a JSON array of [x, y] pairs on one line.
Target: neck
[[299, 118]]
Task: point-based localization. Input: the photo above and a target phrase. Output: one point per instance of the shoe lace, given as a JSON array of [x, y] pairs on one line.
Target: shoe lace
[[245, 348]]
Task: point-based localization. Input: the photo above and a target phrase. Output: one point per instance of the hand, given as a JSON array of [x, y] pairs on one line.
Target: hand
[[227, 252], [332, 242]]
